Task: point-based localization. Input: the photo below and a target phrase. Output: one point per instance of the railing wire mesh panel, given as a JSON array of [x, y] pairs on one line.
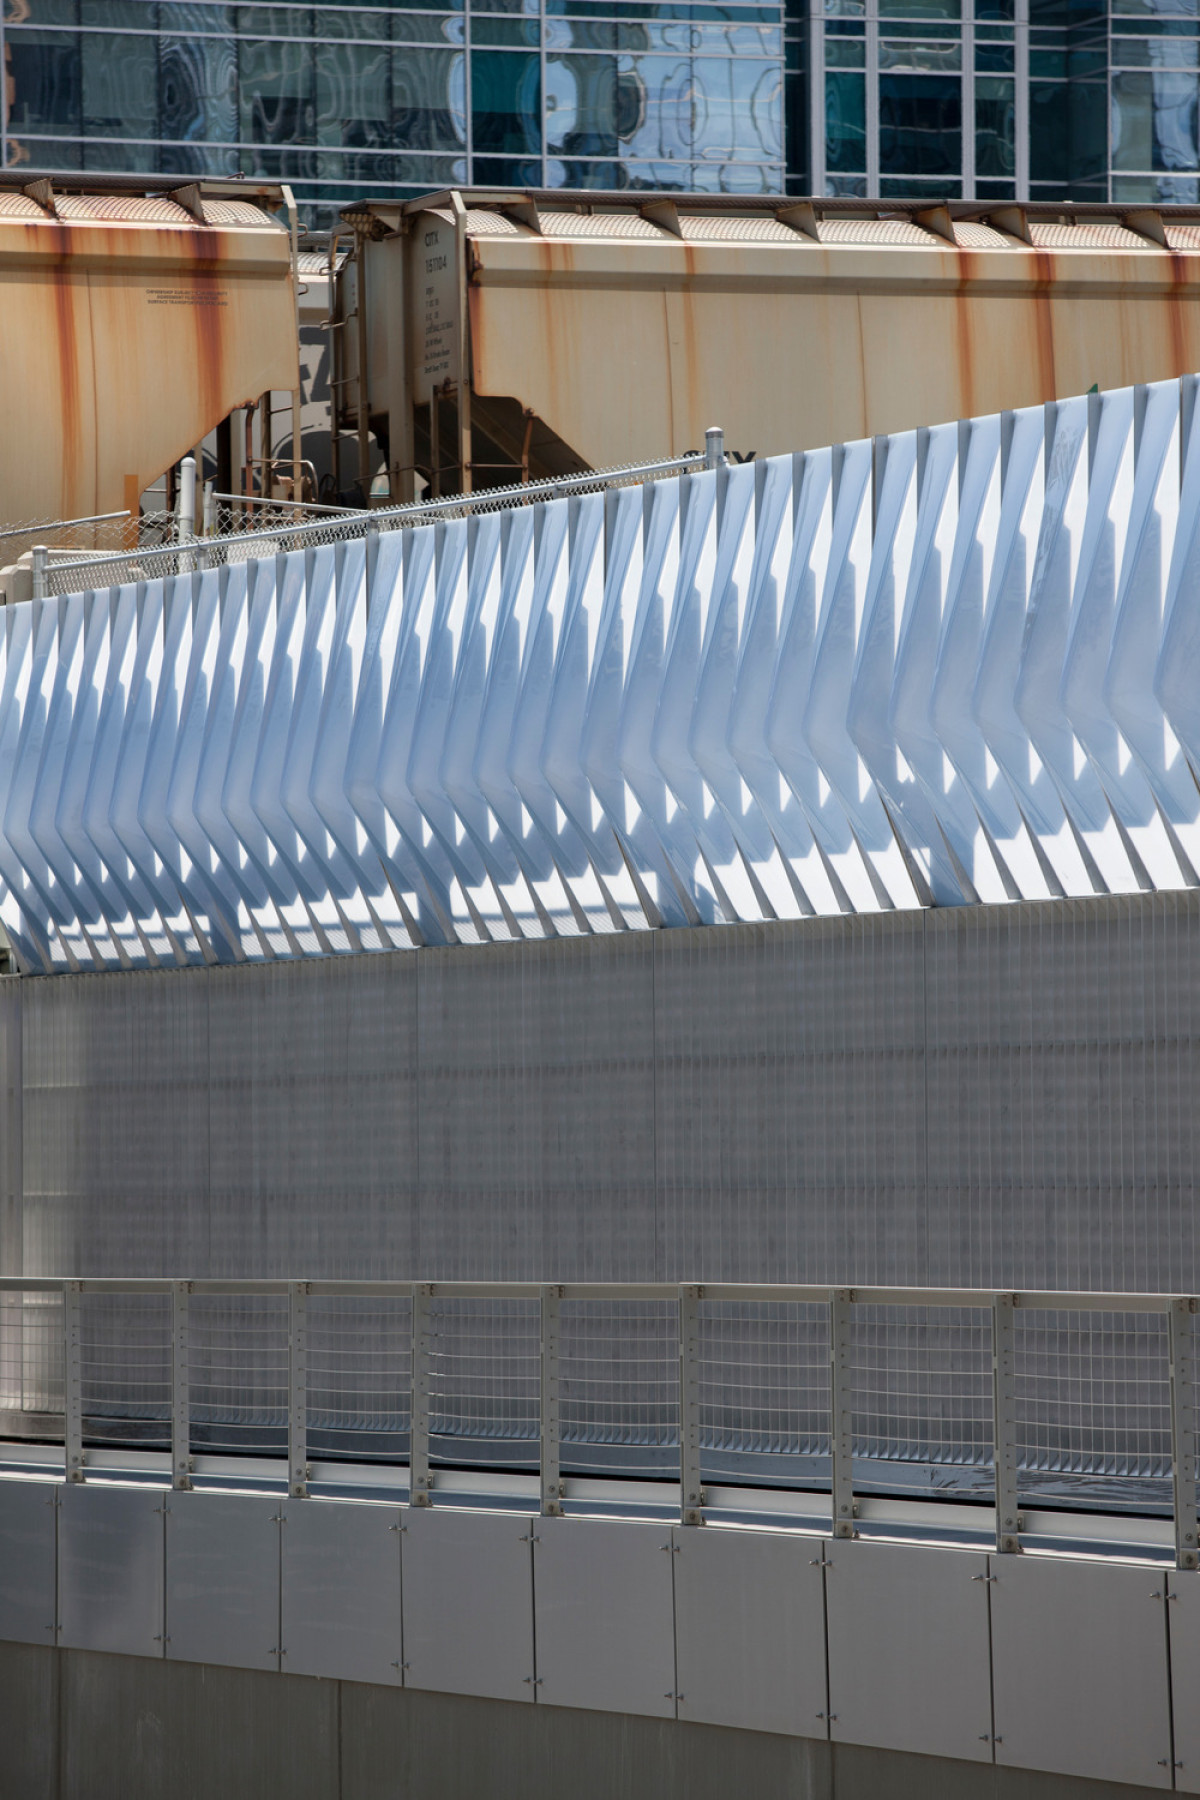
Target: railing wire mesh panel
[[31, 1363], [764, 1392], [483, 1368], [125, 1369], [238, 1373], [1093, 1406], [923, 1396], [359, 1376], [619, 1386]]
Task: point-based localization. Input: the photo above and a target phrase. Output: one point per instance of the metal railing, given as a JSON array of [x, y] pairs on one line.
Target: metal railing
[[1080, 1399], [188, 554]]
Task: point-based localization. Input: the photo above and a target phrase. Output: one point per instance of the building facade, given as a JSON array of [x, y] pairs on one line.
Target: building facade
[[988, 99]]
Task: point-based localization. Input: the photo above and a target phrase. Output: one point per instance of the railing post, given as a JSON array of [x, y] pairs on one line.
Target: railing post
[[552, 1487], [181, 1415], [1004, 1426], [1183, 1431], [691, 1491], [419, 1478], [714, 447], [298, 1389], [73, 1381], [40, 563], [841, 1419]]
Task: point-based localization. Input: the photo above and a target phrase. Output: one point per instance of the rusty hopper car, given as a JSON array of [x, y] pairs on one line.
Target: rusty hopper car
[[508, 333], [134, 320]]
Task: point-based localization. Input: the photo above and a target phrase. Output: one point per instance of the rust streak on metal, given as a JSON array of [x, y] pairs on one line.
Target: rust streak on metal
[[205, 248], [1043, 314], [1176, 322], [964, 344], [67, 347]]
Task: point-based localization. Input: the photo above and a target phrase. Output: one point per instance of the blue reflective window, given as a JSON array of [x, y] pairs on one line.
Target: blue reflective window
[[995, 127], [44, 81], [505, 103], [920, 125], [428, 88], [845, 123]]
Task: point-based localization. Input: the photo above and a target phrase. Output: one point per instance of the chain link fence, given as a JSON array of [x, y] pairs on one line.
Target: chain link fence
[[244, 532]]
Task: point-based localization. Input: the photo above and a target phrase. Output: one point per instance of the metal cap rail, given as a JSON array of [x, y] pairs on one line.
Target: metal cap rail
[[713, 1335]]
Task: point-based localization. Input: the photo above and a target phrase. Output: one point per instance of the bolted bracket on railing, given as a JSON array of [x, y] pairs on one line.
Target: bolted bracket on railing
[[420, 1481], [181, 1417], [841, 1416], [552, 1485], [1004, 1426], [298, 1389], [691, 1490], [1180, 1329]]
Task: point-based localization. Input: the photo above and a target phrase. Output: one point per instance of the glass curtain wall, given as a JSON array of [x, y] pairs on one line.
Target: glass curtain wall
[[347, 102], [972, 99], [918, 98], [991, 99]]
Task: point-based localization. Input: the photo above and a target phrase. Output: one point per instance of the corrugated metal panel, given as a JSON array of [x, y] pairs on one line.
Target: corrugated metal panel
[[21, 206], [536, 1083], [599, 225], [702, 227], [1046, 236], [994, 1096], [1063, 1044], [973, 235], [481, 223], [123, 209], [864, 678], [1182, 237], [877, 231], [789, 1101], [238, 212]]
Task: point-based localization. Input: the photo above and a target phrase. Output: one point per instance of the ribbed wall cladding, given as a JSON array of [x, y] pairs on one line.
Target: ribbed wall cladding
[[955, 665], [1000, 1095]]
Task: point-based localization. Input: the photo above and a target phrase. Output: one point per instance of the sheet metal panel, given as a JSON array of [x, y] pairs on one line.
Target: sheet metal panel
[[1063, 1053], [223, 1579], [28, 1532], [604, 1609], [536, 1105], [468, 1602], [1183, 1619], [1079, 1659], [908, 1648], [110, 1569], [750, 1630], [340, 1591], [790, 1101]]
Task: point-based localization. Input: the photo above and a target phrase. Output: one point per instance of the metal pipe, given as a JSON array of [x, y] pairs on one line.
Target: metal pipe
[[40, 558], [461, 252], [297, 430], [62, 524], [186, 516], [714, 447], [363, 402]]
